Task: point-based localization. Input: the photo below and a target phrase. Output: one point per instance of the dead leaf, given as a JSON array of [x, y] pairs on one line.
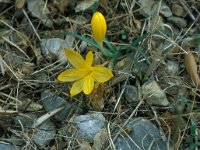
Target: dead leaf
[[19, 4], [85, 4], [63, 5], [191, 67], [96, 98]]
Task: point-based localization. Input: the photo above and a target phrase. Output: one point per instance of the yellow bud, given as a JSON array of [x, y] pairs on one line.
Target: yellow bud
[[98, 23]]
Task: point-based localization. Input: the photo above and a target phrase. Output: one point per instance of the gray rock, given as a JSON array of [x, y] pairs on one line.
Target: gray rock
[[39, 10], [165, 10], [171, 67], [87, 126], [178, 10], [144, 136], [44, 133], [151, 7], [131, 94], [153, 94], [51, 101], [179, 22], [7, 146], [55, 46], [148, 7]]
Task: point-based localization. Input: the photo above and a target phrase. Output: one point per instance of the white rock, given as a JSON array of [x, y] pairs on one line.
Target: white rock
[[171, 67], [54, 45], [153, 94], [89, 125], [39, 10]]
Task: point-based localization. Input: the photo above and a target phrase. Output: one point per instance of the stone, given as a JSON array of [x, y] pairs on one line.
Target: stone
[[87, 126], [44, 133], [148, 7], [165, 10], [172, 67], [55, 46], [153, 94], [179, 10], [39, 10], [143, 135], [131, 94], [51, 101], [179, 22], [7, 146]]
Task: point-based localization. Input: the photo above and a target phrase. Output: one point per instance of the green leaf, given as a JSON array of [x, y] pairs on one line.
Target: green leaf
[[105, 51]]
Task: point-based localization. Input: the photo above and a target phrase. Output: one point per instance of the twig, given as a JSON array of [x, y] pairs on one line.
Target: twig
[[31, 24]]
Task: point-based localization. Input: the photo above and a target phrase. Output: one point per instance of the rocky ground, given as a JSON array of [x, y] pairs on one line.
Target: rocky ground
[[151, 102]]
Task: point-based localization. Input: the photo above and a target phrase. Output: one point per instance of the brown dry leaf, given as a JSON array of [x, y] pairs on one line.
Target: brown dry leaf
[[191, 67], [96, 98], [63, 5], [19, 4]]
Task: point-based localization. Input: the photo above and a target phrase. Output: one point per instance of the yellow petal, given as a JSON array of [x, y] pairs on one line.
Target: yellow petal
[[88, 85], [75, 58], [89, 58], [101, 74], [77, 87], [73, 74], [98, 23]]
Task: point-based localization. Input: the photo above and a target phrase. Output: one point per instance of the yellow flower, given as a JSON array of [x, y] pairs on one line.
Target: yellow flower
[[98, 23], [84, 74]]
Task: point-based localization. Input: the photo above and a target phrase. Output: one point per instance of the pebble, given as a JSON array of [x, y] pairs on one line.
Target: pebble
[[153, 94], [7, 146], [172, 67], [178, 10], [165, 10], [55, 46], [143, 135], [87, 126], [51, 101], [39, 10], [43, 134], [148, 7], [179, 22], [131, 94]]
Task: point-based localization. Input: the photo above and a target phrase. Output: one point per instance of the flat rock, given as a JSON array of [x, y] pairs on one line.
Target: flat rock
[[178, 10], [55, 46], [87, 126], [143, 136], [179, 22], [7, 146], [43, 134], [153, 94], [131, 94], [51, 101], [148, 7], [172, 67], [165, 10], [39, 10]]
